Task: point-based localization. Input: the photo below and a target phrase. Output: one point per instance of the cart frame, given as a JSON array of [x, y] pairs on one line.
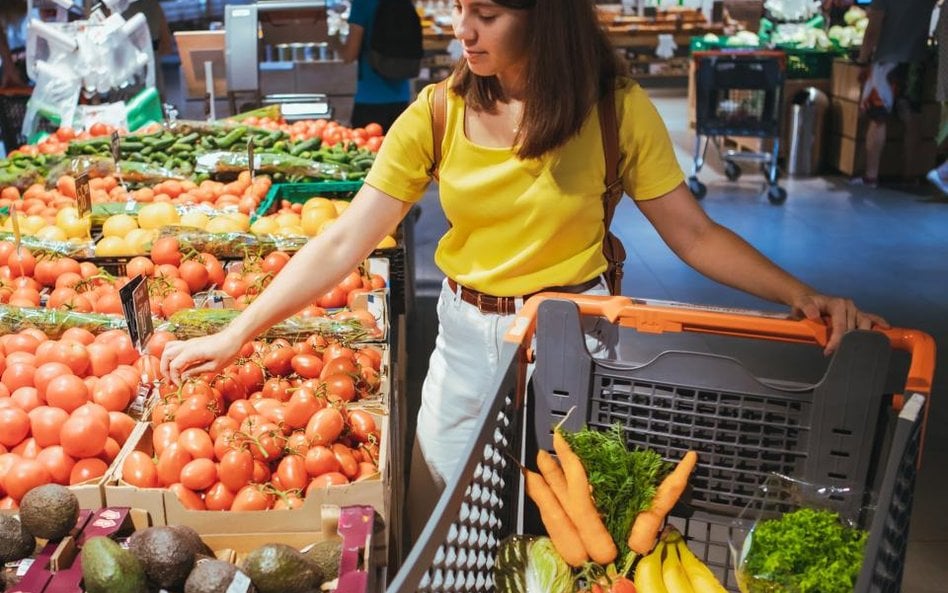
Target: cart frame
[[815, 432]]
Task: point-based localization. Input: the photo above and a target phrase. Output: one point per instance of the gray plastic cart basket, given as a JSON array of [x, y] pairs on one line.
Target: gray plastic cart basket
[[843, 430]]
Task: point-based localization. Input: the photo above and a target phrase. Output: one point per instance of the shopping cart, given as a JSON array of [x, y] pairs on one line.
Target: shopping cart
[[738, 93], [843, 429]]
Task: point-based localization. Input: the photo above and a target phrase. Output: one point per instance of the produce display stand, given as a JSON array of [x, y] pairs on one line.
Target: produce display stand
[[842, 430]]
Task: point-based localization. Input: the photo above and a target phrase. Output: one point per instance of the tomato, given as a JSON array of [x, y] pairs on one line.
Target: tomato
[[103, 358], [166, 250], [307, 366], [189, 499], [325, 426], [14, 426], [226, 440], [198, 443], [139, 266], [21, 263], [163, 435], [45, 424], [269, 443], [287, 502], [215, 270], [170, 463], [325, 481], [23, 476], [57, 463], [230, 386], [78, 335], [83, 436], [121, 426], [278, 361], [362, 426], [340, 387], [138, 469], [176, 301], [301, 406], [218, 498], [67, 392], [622, 585], [251, 375], [320, 460], [251, 498], [336, 350], [276, 388], [373, 130], [21, 342], [274, 262], [240, 410], [220, 424], [199, 474], [292, 473], [100, 129], [194, 274], [110, 451], [195, 412], [112, 392], [26, 398], [236, 469], [334, 299], [234, 285]]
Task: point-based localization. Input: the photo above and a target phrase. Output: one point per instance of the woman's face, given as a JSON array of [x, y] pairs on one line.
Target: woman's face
[[494, 38]]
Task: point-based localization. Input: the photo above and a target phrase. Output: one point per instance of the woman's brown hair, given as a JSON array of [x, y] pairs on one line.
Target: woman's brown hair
[[571, 63]]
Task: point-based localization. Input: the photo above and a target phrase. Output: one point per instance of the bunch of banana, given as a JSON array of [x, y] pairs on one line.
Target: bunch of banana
[[672, 568]]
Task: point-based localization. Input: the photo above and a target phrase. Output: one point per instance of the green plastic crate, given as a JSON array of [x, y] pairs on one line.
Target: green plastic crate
[[300, 192]]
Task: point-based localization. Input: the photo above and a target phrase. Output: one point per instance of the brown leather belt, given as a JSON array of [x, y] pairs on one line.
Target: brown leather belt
[[496, 305]]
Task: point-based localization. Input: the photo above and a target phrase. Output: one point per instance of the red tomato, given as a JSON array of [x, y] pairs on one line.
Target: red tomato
[[236, 469], [195, 274], [325, 481], [251, 498], [23, 476], [26, 398], [251, 375], [347, 461], [292, 473], [190, 499], [57, 463], [279, 361], [218, 498], [121, 426], [67, 392], [163, 435], [320, 460], [176, 301], [170, 463], [307, 366], [83, 436], [362, 426], [198, 443], [103, 358], [325, 426], [199, 474], [138, 469], [45, 424], [341, 387], [274, 262], [301, 406], [112, 392], [14, 426], [166, 250]]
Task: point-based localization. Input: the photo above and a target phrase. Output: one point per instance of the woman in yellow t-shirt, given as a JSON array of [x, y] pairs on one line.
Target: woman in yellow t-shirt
[[521, 178]]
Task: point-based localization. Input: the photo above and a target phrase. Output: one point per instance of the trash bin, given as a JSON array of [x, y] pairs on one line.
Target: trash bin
[[807, 115]]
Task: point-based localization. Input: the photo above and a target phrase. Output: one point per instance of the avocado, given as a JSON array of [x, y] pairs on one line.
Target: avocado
[[216, 576], [16, 543], [49, 511], [279, 568], [194, 539], [167, 555], [326, 555], [107, 568]]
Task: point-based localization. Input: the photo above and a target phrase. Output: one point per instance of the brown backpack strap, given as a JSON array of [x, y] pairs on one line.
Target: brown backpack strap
[[439, 110], [612, 247]]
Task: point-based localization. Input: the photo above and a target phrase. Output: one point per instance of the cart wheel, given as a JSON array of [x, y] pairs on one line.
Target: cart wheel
[[776, 194], [732, 171], [697, 188]]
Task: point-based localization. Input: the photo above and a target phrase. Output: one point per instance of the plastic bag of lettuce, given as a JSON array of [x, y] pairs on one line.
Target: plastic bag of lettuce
[[794, 540]]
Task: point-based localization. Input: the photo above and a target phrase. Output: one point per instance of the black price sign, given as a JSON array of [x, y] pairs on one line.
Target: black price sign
[[250, 156], [137, 309], [83, 194], [116, 147]]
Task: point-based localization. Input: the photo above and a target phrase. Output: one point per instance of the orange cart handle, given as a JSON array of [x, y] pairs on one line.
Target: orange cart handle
[[657, 319]]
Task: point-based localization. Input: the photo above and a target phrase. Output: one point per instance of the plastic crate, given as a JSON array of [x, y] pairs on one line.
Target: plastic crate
[[298, 193], [843, 429], [738, 93], [12, 111]]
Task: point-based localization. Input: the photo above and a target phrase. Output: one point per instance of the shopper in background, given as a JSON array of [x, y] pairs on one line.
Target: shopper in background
[[12, 55], [161, 40], [894, 41], [939, 176], [378, 99], [521, 179]]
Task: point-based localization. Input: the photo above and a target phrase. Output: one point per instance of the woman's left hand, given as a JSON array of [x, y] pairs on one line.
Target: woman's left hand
[[842, 314]]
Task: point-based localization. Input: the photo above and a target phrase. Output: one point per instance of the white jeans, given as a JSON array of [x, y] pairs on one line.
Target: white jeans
[[461, 370]]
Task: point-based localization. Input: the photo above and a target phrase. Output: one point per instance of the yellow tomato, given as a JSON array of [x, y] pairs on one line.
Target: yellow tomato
[[112, 246], [222, 224], [75, 227], [194, 218], [67, 214], [118, 225], [242, 220], [30, 225], [157, 215], [138, 240], [314, 219], [387, 243], [288, 219], [317, 203], [290, 231], [340, 206], [51, 233], [264, 226]]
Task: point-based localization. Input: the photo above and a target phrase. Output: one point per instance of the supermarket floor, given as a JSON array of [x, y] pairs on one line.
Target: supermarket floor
[[885, 248]]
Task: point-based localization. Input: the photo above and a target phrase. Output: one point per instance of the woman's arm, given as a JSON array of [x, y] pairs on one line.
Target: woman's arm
[[723, 256], [313, 271]]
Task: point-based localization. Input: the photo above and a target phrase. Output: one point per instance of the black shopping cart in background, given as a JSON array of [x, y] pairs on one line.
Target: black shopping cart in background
[[738, 93], [12, 111]]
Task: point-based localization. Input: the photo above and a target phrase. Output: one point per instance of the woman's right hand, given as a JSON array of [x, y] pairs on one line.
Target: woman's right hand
[[181, 360]]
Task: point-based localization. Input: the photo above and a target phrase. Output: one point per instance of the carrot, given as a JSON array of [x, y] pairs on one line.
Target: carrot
[[647, 524], [554, 476], [561, 530], [581, 508]]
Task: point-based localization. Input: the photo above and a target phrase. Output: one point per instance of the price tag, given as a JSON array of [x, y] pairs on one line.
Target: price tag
[[239, 584], [250, 162], [137, 309], [116, 146], [16, 227], [83, 194]]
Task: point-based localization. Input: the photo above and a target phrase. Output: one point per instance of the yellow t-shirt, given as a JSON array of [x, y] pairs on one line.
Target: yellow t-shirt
[[518, 226]]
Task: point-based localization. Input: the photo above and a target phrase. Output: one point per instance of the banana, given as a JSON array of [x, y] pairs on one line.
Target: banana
[[648, 573], [701, 577], [676, 581]]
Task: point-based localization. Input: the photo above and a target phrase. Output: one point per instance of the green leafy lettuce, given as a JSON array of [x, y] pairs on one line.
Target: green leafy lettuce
[[804, 551]]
